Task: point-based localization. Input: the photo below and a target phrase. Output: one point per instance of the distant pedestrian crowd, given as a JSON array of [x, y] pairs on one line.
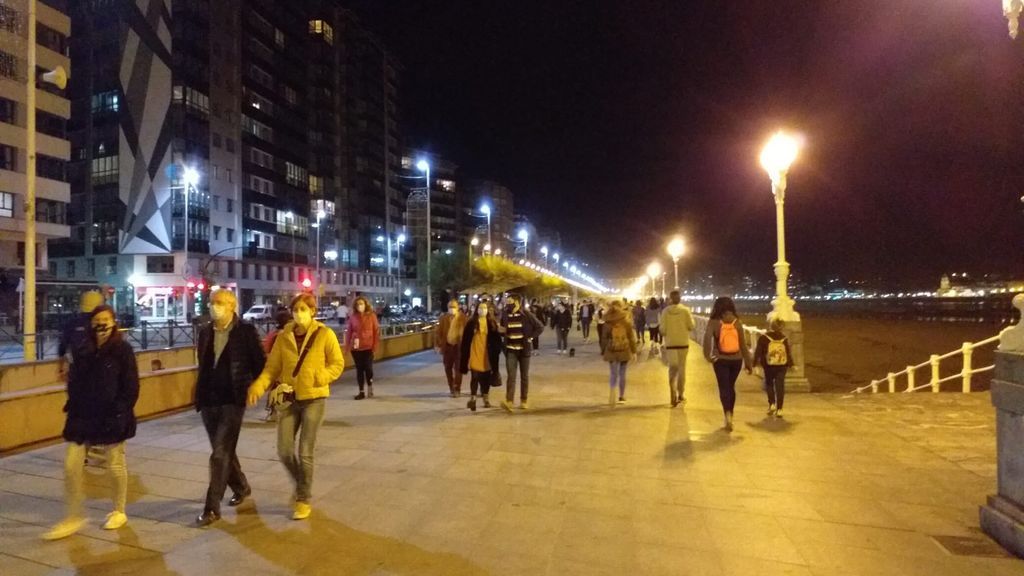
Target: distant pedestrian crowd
[[298, 361]]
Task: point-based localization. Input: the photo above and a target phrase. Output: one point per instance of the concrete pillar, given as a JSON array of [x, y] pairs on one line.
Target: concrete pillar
[[1002, 517], [796, 376]]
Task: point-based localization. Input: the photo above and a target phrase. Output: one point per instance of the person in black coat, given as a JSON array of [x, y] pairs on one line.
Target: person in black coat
[[561, 320], [484, 368], [230, 356], [100, 413]]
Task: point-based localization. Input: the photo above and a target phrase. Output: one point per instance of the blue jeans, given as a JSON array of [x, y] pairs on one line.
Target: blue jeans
[[303, 417], [617, 376]]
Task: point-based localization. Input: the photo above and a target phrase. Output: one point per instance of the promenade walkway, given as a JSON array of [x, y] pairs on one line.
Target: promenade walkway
[[413, 483]]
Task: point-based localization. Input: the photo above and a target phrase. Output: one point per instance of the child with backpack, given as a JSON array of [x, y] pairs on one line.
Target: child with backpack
[[620, 347], [772, 353], [726, 349]]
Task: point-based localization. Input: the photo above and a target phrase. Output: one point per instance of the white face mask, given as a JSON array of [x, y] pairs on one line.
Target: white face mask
[[303, 318], [482, 310], [453, 311], [219, 311]]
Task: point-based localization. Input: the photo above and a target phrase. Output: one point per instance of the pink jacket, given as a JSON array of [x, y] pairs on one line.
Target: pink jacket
[[365, 328]]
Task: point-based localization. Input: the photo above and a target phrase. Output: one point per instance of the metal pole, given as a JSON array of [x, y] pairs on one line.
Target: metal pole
[[317, 296], [430, 297], [29, 319], [489, 241], [399, 274], [675, 264]]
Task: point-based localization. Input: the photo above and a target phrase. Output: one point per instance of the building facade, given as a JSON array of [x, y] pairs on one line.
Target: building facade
[[52, 148], [501, 203], [237, 109]]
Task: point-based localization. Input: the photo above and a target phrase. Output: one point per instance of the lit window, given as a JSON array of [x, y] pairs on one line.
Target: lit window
[[6, 205]]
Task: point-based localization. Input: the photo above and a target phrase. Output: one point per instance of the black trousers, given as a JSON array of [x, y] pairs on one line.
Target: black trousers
[[479, 382], [726, 372], [775, 384], [364, 367], [223, 424]]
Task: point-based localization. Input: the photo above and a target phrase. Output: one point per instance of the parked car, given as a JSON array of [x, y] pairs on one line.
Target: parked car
[[259, 312], [326, 313]]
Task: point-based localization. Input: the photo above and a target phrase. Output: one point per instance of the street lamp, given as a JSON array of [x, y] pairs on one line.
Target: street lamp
[[555, 257], [320, 214], [191, 178], [487, 247], [472, 243], [497, 252], [653, 271], [675, 249], [486, 209], [544, 252], [291, 230], [424, 166], [776, 157], [399, 241], [525, 237]]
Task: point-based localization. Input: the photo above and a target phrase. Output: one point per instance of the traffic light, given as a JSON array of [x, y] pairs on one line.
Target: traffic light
[[307, 284], [191, 286]]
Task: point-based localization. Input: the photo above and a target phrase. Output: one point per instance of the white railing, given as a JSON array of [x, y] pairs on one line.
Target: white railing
[[936, 379]]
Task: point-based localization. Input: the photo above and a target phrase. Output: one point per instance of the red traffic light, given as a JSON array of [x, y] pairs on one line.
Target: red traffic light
[[307, 283], [190, 285], [201, 286]]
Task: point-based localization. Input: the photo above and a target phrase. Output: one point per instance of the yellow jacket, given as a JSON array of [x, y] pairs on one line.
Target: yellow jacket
[[323, 364]]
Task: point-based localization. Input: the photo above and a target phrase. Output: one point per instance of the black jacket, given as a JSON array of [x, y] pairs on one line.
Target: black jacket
[[101, 400], [245, 356], [562, 319], [494, 346]]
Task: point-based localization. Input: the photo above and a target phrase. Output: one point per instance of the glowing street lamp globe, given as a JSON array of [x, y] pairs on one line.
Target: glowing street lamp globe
[[191, 176], [422, 165], [676, 248], [778, 154], [524, 235], [474, 242], [654, 270]]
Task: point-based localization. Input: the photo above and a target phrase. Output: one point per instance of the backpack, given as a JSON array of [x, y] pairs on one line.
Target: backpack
[[619, 339], [776, 355], [728, 338]]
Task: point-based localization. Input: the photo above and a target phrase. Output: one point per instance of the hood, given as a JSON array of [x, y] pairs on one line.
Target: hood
[[674, 310], [613, 315]]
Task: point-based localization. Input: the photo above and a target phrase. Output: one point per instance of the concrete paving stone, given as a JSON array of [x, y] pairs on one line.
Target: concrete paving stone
[[761, 536], [15, 565], [739, 565]]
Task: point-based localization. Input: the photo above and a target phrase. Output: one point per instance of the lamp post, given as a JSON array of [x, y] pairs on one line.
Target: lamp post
[[675, 250], [424, 167], [487, 248], [776, 158], [653, 271], [474, 242], [486, 209], [191, 177], [544, 253], [399, 241], [319, 215], [525, 237]]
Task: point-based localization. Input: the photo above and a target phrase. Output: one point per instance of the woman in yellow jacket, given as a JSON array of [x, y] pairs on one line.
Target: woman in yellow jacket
[[305, 360]]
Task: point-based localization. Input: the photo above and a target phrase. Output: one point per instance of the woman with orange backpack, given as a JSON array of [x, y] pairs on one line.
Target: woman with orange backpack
[[620, 347], [726, 349]]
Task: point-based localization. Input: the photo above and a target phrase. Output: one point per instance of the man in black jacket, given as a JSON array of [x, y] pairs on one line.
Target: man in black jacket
[[230, 357]]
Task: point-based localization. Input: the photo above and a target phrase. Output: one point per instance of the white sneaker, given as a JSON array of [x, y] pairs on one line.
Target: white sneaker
[[778, 413], [64, 528], [115, 520]]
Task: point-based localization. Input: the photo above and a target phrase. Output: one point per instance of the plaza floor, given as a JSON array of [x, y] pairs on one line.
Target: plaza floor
[[411, 482]]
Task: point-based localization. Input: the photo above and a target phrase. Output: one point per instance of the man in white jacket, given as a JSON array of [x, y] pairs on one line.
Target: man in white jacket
[[676, 325]]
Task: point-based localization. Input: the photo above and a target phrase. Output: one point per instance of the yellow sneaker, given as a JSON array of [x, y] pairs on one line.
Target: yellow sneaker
[[115, 520], [64, 528], [506, 405], [301, 511]]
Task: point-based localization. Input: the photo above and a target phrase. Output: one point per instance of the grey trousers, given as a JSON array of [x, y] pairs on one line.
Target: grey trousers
[[676, 359], [302, 417], [517, 361], [74, 468]]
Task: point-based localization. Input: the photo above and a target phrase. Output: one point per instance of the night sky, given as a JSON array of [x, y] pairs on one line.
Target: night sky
[[622, 123]]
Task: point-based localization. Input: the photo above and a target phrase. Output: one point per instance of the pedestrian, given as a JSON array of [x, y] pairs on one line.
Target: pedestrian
[[726, 349], [639, 322], [480, 353], [305, 360], [600, 327], [675, 326], [773, 355], [652, 317], [586, 317], [562, 321], [281, 319], [519, 326], [103, 386], [230, 356], [620, 348], [448, 343], [343, 313], [361, 339], [77, 334], [538, 313]]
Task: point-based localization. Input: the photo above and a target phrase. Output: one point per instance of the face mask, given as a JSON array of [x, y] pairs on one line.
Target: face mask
[[453, 311], [218, 312], [482, 310], [303, 318]]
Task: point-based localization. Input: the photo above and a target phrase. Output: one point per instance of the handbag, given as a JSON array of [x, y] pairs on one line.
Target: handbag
[[281, 394]]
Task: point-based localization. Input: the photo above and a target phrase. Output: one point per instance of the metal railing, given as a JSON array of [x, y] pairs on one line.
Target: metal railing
[[935, 363]]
